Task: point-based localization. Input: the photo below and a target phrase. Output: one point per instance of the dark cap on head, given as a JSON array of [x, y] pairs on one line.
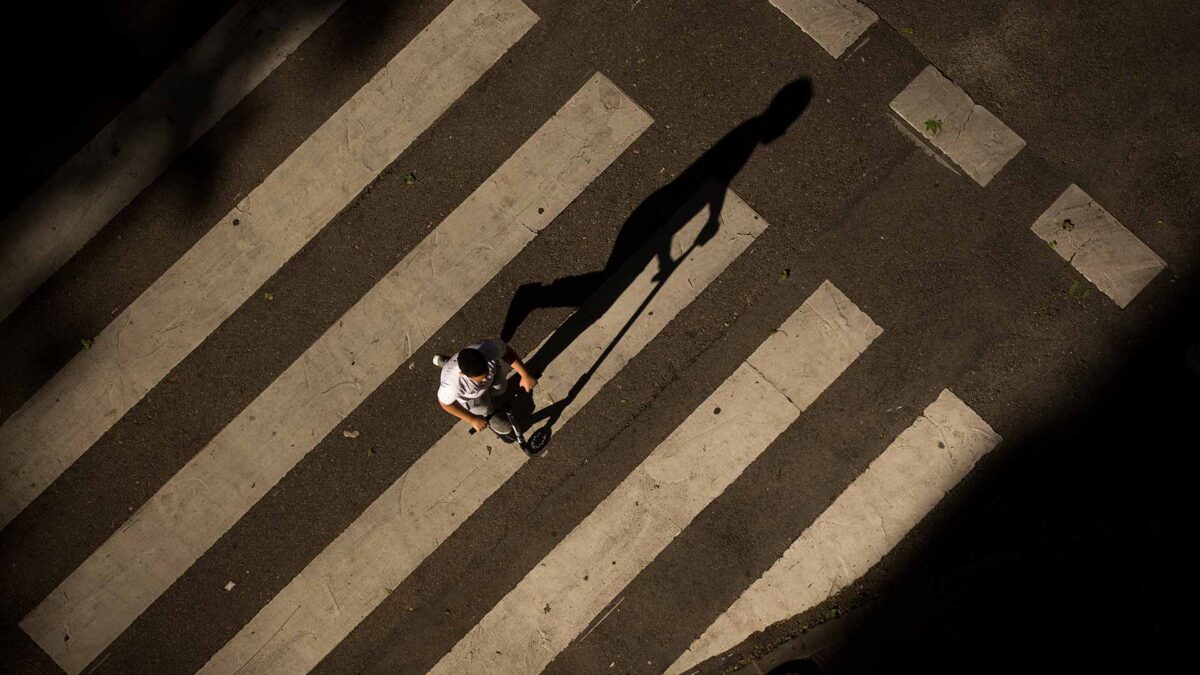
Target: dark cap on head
[[472, 362]]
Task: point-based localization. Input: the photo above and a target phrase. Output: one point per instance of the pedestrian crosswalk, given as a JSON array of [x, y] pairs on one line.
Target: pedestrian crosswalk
[[151, 336], [598, 125], [924, 463], [735, 424], [457, 475], [169, 533]]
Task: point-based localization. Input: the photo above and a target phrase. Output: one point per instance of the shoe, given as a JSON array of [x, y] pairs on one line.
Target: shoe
[[440, 360]]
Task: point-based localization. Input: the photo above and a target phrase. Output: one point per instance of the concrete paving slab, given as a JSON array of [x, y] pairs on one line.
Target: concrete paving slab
[[945, 115], [834, 24], [1097, 245]]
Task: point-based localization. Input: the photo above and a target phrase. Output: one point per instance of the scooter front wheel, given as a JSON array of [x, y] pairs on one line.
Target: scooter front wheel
[[539, 439]]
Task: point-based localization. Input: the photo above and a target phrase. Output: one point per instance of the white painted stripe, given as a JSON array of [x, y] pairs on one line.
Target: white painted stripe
[[555, 601], [352, 358], [865, 522], [83, 400], [1096, 244], [238, 53], [343, 584], [834, 24], [971, 137]]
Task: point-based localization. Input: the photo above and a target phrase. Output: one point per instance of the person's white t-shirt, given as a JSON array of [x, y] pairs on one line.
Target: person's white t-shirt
[[456, 387]]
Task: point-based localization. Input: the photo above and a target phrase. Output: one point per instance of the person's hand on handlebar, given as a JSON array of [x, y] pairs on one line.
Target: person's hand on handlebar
[[513, 359], [528, 382], [478, 423]]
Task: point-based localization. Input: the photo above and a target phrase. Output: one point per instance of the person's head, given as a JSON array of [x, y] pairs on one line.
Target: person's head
[[784, 109], [473, 364]]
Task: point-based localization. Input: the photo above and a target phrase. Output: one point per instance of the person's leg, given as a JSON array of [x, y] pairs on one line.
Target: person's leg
[[500, 384], [483, 407], [500, 425]]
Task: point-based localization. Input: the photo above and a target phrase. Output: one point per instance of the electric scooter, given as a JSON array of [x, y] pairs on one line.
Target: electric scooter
[[535, 443]]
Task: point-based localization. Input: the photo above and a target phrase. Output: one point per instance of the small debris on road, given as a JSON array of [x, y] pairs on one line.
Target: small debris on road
[[350, 434]]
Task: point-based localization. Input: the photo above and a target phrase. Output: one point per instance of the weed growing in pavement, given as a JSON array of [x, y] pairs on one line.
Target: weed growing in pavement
[[1068, 225], [1079, 291], [933, 126]]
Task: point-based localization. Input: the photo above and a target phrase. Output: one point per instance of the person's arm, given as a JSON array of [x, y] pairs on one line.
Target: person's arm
[[513, 359], [666, 264], [715, 205], [477, 422]]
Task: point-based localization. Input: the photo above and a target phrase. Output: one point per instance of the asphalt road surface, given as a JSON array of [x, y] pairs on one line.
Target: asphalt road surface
[[868, 335]]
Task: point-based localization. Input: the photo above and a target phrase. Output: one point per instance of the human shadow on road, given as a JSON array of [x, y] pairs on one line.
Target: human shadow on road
[[647, 235]]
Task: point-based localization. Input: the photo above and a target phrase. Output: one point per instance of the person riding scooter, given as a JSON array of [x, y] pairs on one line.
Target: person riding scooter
[[474, 377]]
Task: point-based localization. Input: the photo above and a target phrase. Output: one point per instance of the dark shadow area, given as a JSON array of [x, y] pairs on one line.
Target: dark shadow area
[[646, 236], [72, 72], [1067, 553], [796, 667], [82, 68], [76, 71]]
